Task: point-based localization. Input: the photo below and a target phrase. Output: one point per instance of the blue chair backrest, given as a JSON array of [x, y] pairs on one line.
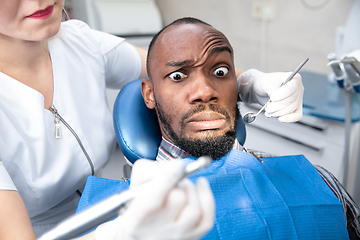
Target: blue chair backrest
[[136, 126]]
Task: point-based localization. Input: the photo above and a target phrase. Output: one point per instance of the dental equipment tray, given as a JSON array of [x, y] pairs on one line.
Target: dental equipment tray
[[324, 99]]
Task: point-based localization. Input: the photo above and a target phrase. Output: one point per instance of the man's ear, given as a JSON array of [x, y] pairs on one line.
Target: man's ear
[[148, 93]]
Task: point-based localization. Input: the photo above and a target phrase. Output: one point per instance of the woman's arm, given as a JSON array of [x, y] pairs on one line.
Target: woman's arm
[[143, 56], [14, 219], [15, 222], [238, 72]]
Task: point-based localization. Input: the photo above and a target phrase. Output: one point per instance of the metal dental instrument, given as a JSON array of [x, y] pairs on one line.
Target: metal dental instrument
[[108, 208], [250, 116]]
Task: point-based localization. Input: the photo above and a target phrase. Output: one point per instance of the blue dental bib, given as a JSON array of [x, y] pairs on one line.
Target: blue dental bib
[[280, 198]]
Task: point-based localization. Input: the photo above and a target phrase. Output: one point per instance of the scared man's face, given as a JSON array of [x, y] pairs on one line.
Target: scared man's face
[[193, 88]]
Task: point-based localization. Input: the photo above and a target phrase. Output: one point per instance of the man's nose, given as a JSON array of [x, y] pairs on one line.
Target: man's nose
[[202, 90]]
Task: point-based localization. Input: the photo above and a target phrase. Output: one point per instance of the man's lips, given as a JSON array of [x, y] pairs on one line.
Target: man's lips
[[206, 121], [42, 13]]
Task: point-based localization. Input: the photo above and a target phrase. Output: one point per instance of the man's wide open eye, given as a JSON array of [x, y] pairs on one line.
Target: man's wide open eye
[[221, 71], [177, 76]]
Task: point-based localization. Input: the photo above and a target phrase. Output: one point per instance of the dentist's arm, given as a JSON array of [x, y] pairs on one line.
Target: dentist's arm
[[14, 218], [143, 56]]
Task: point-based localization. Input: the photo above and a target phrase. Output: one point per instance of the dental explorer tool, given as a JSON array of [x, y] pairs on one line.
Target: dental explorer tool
[[108, 208], [250, 116]]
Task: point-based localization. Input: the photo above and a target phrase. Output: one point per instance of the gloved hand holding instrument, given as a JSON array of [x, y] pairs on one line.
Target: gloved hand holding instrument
[[285, 100], [164, 205], [250, 116]]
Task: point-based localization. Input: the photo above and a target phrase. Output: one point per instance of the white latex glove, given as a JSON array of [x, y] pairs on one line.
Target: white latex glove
[[286, 102], [165, 211]]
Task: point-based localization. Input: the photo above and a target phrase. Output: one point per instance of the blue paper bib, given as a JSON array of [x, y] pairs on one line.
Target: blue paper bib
[[280, 198]]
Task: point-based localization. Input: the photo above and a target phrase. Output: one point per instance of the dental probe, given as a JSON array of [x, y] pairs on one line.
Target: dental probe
[[108, 208], [250, 116]]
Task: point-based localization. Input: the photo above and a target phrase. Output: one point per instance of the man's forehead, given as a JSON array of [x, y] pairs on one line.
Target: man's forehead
[[190, 39]]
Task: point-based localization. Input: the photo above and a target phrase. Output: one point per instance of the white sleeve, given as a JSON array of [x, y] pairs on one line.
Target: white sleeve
[[5, 180], [123, 64]]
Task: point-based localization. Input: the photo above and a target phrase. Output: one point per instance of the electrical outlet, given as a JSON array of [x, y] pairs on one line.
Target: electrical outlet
[[260, 8]]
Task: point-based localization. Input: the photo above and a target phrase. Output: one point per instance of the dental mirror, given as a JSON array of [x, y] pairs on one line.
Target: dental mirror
[[250, 116]]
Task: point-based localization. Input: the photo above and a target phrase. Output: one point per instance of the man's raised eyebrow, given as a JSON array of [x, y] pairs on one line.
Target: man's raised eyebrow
[[221, 49], [190, 62], [180, 63]]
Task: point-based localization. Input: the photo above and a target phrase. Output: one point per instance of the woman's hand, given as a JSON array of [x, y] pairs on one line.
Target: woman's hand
[[165, 210], [286, 101]]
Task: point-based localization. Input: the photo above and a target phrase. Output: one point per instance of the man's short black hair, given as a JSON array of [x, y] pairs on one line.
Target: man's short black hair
[[185, 20]]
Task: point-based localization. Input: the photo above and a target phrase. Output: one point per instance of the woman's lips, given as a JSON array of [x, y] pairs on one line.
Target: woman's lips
[[206, 121], [41, 14]]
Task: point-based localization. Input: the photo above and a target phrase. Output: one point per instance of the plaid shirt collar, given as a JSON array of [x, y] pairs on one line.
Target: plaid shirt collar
[[169, 151]]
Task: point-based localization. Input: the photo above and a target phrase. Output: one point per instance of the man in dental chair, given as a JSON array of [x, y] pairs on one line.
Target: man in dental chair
[[192, 86]]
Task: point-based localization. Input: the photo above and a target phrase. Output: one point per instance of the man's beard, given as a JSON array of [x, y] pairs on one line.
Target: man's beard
[[215, 146]]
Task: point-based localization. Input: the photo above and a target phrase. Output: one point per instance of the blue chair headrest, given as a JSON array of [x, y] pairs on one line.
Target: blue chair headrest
[[136, 126]]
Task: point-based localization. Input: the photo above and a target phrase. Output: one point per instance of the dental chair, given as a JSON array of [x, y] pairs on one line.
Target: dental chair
[[136, 127]]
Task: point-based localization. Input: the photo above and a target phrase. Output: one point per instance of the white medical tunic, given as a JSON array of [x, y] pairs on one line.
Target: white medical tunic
[[45, 170]]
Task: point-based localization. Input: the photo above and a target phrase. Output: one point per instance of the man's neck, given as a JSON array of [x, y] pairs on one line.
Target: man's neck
[[169, 151]]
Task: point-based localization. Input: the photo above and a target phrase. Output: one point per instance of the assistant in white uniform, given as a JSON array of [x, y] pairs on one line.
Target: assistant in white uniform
[[45, 170]]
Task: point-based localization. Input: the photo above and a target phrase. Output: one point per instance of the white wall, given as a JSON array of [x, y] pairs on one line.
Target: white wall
[[294, 34]]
